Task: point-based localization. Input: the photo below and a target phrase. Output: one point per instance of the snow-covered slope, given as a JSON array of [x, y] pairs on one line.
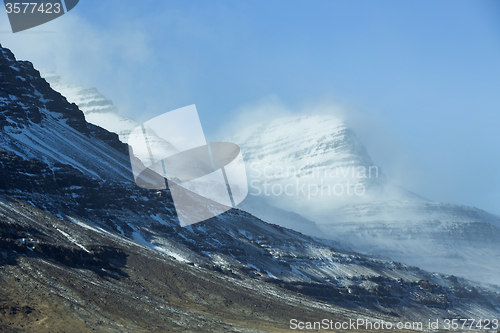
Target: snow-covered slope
[[440, 237], [316, 167], [310, 165], [37, 123], [97, 109]]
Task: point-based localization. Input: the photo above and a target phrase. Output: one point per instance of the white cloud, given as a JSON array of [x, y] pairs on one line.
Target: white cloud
[[85, 53]]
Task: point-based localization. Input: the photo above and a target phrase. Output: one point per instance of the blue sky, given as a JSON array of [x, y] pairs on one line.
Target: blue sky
[[422, 77]]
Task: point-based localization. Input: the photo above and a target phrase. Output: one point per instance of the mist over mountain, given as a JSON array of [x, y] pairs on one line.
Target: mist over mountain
[[315, 166], [97, 109], [83, 248]]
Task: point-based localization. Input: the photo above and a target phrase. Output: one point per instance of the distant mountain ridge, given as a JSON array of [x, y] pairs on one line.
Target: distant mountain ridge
[[97, 109], [384, 219]]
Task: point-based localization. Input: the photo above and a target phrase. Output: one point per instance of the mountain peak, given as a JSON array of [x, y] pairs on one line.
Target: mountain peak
[[308, 156], [25, 97], [318, 139], [38, 122]]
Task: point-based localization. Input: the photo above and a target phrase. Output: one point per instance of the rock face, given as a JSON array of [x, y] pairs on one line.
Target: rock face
[[62, 185], [315, 167], [25, 95], [28, 102]]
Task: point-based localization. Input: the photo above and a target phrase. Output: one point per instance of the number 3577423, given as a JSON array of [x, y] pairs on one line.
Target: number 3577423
[[32, 7]]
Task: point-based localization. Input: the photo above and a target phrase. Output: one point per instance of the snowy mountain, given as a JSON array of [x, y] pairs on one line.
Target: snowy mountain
[[97, 109], [100, 111], [73, 225], [310, 165], [316, 167]]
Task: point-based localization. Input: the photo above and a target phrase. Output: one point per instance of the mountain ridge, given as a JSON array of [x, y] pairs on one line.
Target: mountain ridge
[[83, 188], [96, 107]]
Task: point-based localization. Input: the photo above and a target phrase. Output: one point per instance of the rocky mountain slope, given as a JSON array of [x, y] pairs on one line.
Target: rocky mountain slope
[[74, 221], [61, 276]]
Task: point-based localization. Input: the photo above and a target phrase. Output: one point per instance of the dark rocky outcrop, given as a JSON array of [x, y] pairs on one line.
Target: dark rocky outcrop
[[25, 97]]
